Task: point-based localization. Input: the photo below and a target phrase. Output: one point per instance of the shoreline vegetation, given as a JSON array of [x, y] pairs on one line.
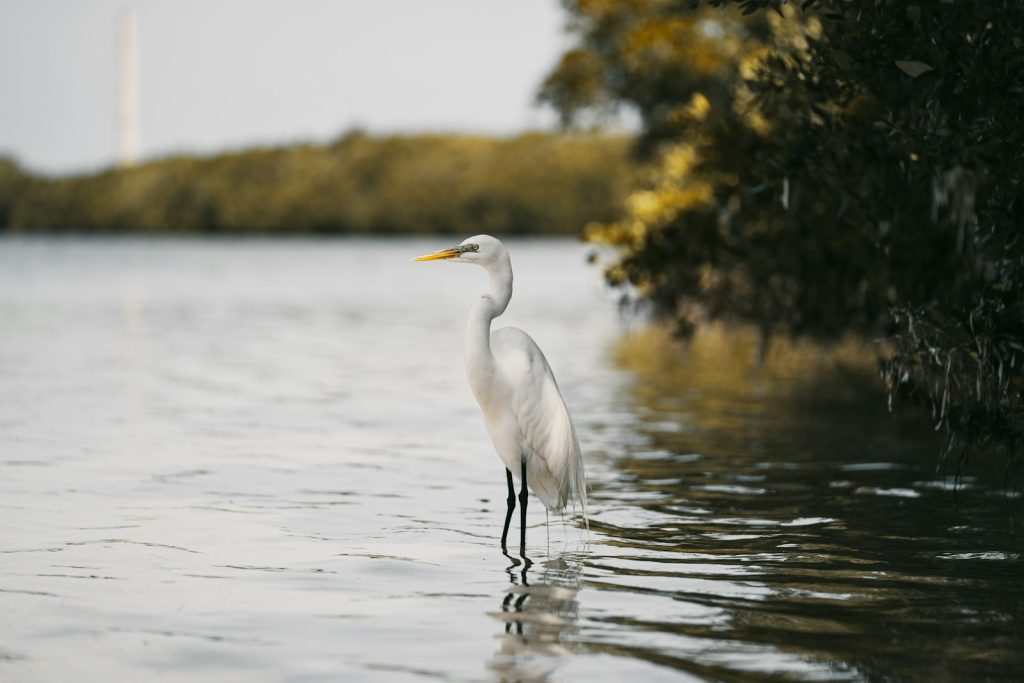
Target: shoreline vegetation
[[359, 184], [822, 169]]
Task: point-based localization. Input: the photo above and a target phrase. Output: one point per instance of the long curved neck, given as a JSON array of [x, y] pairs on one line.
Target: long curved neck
[[488, 307]]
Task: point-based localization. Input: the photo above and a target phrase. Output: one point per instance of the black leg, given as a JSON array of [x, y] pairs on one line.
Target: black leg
[[522, 512], [511, 500]]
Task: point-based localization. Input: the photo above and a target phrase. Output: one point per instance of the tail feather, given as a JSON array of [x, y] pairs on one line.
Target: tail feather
[[577, 478]]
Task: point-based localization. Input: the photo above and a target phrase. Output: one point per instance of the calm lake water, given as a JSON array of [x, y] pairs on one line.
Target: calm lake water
[[260, 461]]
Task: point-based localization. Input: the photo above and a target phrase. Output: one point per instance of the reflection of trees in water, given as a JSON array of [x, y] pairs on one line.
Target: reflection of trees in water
[[726, 392], [538, 611], [768, 517]]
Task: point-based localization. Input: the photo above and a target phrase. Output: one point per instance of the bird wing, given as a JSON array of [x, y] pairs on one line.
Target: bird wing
[[546, 433]]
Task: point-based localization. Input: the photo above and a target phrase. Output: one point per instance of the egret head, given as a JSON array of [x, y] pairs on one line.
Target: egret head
[[482, 250]]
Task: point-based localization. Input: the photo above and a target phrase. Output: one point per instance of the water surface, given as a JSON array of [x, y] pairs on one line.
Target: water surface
[[260, 460]]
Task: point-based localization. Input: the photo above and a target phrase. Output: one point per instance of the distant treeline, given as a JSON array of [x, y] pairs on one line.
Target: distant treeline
[[533, 183]]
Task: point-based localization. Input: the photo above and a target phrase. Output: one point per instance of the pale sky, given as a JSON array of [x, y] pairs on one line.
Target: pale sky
[[221, 74]]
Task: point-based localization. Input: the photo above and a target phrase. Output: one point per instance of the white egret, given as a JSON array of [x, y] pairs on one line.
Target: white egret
[[523, 409]]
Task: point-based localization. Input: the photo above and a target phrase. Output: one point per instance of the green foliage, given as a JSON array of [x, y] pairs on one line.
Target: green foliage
[[652, 56], [12, 184], [852, 166], [533, 183]]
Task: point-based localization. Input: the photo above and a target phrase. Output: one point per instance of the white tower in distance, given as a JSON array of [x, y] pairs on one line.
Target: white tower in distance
[[128, 90]]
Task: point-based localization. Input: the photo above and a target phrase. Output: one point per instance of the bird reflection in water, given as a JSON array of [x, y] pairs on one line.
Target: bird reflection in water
[[539, 613]]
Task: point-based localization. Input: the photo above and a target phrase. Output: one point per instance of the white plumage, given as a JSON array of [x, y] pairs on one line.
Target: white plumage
[[523, 409], [525, 414]]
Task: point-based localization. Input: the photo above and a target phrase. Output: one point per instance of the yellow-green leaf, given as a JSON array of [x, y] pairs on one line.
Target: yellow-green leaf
[[913, 69]]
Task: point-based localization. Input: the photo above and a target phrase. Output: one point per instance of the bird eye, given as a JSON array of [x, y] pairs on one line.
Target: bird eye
[[469, 247]]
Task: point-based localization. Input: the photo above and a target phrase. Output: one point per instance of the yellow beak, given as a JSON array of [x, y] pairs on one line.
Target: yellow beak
[[442, 254]]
